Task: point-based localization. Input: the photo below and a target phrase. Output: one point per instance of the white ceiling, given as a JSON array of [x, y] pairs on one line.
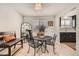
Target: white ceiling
[[27, 9]]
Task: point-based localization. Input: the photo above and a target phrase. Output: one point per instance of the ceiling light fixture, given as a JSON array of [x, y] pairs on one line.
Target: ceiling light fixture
[[38, 6]]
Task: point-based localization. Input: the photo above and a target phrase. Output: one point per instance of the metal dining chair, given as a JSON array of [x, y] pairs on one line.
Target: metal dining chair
[[32, 42], [51, 41]]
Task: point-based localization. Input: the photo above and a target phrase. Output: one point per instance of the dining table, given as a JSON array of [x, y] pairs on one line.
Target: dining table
[[43, 40]]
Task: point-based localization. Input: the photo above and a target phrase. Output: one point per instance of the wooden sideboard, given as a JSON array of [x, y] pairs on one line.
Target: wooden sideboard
[[67, 36]]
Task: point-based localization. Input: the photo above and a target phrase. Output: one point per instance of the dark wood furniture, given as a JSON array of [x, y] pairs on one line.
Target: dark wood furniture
[[10, 44], [67, 36]]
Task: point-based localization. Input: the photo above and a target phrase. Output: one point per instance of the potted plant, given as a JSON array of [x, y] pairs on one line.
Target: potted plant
[[42, 28]]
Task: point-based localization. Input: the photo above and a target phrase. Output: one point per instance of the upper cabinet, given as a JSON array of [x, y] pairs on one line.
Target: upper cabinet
[[68, 22]]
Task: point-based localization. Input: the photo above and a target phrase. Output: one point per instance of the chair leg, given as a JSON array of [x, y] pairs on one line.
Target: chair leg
[[28, 49], [34, 51], [45, 48], [42, 49], [54, 49], [38, 49]]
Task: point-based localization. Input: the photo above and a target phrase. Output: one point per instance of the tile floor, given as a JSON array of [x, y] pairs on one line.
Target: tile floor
[[61, 50]]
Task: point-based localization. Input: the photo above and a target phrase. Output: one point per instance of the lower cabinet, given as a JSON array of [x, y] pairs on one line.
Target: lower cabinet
[[67, 36]]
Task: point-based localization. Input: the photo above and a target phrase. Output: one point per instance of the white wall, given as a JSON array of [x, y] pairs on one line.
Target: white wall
[[10, 20], [77, 36]]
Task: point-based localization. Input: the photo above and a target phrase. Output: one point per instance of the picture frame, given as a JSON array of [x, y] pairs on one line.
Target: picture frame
[[50, 23]]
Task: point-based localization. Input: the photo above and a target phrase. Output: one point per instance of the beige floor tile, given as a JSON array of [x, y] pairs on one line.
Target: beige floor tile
[[61, 50]]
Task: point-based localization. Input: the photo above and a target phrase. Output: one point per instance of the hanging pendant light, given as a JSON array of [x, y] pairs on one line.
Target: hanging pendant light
[[38, 6]]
